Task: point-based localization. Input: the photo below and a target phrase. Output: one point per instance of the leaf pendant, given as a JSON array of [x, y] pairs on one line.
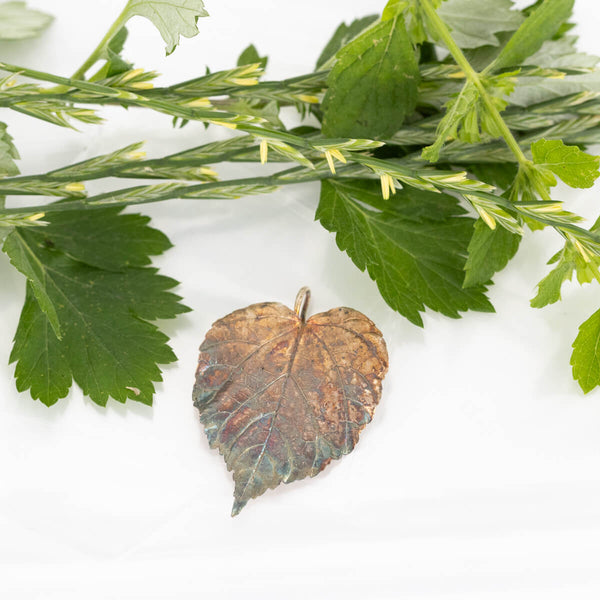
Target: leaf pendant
[[280, 395]]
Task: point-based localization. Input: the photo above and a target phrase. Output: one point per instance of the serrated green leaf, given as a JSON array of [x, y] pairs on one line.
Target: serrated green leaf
[[105, 238], [585, 359], [172, 18], [43, 368], [549, 288], [489, 250], [108, 346], [342, 36], [541, 25], [477, 25], [8, 153], [17, 22], [562, 54], [568, 261], [575, 167], [372, 87], [413, 245], [26, 261]]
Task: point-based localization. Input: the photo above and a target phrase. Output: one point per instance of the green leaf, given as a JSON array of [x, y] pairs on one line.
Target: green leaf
[[342, 36], [541, 25], [115, 64], [562, 54], [477, 25], [108, 346], [490, 250], [568, 261], [414, 245], [105, 238], [26, 261], [42, 366], [372, 88], [575, 167], [8, 153], [172, 18], [17, 22], [585, 359], [250, 56]]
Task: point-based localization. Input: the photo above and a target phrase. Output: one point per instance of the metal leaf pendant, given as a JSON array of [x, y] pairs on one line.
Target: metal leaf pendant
[[281, 395]]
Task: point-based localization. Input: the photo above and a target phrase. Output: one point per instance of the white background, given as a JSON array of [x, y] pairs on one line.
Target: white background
[[479, 477]]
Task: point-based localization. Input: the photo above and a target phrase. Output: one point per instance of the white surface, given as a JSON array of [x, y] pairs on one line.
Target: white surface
[[478, 478]]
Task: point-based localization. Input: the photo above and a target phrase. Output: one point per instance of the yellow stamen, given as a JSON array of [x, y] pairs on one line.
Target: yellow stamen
[[337, 154], [244, 81], [392, 185], [208, 172], [457, 75], [454, 178], [385, 186], [36, 217], [582, 251], [252, 68], [142, 85], [224, 124], [487, 218], [74, 187], [330, 161], [264, 151], [308, 99], [131, 75], [137, 155], [548, 208], [199, 103]]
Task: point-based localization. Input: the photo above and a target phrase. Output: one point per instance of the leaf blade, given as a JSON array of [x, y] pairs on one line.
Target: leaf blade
[[417, 261], [372, 88]]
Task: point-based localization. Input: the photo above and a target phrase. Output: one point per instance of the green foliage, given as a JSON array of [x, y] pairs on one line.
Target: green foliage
[[571, 259], [102, 298], [480, 27], [468, 116], [18, 22], [489, 250], [505, 113], [585, 359], [414, 245], [172, 18], [541, 25], [342, 36], [251, 56], [575, 167], [372, 87], [8, 153]]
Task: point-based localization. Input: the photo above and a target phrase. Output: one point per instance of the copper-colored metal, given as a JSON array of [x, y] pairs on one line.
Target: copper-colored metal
[[280, 395]]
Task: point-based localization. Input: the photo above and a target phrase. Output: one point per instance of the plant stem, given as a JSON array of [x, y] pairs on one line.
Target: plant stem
[[103, 200], [473, 77], [99, 49]]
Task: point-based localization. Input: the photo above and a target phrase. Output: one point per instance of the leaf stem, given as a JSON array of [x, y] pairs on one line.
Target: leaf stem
[[472, 76], [99, 49]]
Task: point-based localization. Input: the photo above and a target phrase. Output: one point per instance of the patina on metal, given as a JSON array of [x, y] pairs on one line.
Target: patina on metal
[[280, 395]]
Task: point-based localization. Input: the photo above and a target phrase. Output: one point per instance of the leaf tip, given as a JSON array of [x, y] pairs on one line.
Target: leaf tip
[[236, 509]]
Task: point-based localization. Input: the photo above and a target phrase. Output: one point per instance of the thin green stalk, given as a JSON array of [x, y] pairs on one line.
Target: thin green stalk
[[103, 200], [472, 76], [99, 49]]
